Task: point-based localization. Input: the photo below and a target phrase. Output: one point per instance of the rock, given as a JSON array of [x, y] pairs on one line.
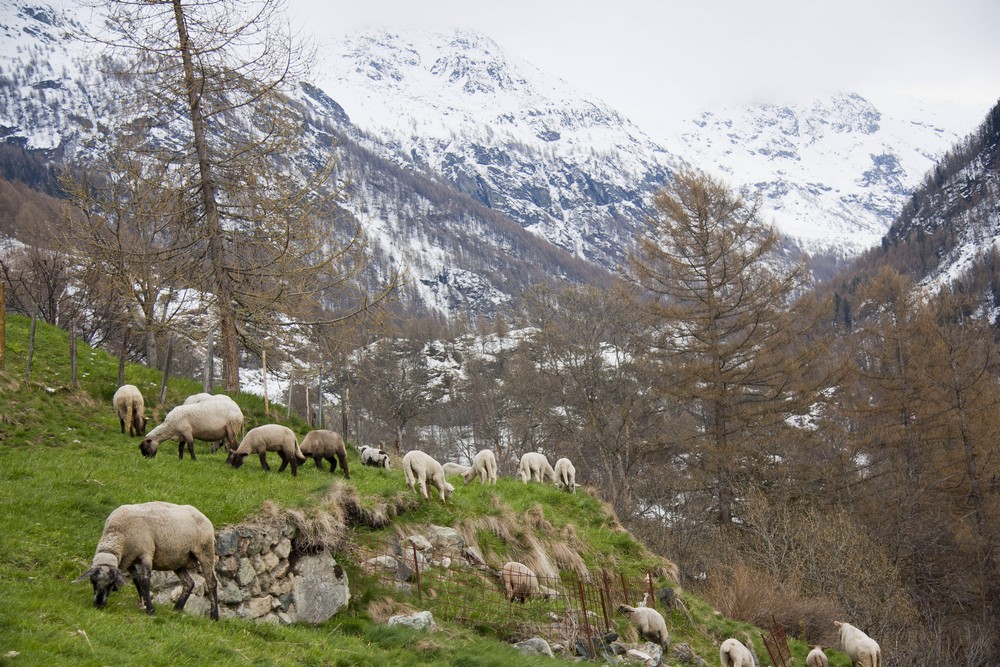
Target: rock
[[320, 588], [227, 543], [474, 557], [284, 548], [418, 541], [230, 593], [255, 607], [386, 564], [445, 539], [422, 620], [635, 655], [246, 573], [534, 646]]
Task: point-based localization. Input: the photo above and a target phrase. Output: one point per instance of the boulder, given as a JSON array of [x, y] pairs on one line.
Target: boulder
[[535, 646], [320, 589], [422, 620]]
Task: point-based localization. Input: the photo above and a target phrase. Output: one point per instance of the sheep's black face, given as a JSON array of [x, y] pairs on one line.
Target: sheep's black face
[[236, 460], [148, 448], [104, 579]]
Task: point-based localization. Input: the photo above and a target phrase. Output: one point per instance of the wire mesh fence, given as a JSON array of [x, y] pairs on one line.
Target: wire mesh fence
[[566, 608]]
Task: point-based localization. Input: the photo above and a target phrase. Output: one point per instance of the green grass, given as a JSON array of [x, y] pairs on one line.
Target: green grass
[[64, 465]]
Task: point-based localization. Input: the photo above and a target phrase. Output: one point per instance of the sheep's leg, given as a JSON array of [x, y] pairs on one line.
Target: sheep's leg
[[190, 444], [188, 582], [211, 584], [423, 488], [180, 449], [319, 462], [140, 577], [284, 463], [263, 462], [343, 465]]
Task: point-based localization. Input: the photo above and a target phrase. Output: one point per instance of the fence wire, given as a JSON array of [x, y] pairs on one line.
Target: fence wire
[[572, 609]]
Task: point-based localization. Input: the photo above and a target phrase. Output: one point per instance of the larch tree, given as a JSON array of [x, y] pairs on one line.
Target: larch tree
[[731, 344], [209, 84]]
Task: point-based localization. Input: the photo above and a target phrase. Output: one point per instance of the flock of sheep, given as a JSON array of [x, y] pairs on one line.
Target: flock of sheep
[[163, 536]]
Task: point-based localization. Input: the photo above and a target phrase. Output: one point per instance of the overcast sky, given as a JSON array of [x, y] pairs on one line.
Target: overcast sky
[[659, 61]]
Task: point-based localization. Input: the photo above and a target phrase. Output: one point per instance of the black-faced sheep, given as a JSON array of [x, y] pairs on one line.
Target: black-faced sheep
[[862, 649], [648, 622], [421, 468], [323, 444], [536, 467], [565, 475], [817, 658], [269, 438], [484, 466], [154, 536], [130, 409], [519, 582], [234, 407], [375, 457], [736, 653], [209, 421], [454, 468]]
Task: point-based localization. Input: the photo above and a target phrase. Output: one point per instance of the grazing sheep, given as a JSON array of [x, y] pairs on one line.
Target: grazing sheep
[[210, 421], [324, 444], [376, 458], [862, 649], [422, 468], [519, 582], [565, 475], [484, 466], [269, 438], [130, 409], [817, 658], [736, 653], [536, 467], [153, 536], [648, 622], [454, 468], [202, 397]]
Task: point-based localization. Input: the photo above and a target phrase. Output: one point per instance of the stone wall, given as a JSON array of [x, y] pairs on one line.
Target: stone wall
[[263, 576]]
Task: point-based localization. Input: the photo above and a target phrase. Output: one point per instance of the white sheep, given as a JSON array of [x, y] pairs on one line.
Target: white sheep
[[130, 409], [154, 536], [374, 457], [648, 622], [323, 444], [484, 466], [454, 468], [210, 421], [565, 475], [269, 438], [536, 467], [234, 406], [519, 582], [736, 653], [862, 649], [817, 658], [421, 468]]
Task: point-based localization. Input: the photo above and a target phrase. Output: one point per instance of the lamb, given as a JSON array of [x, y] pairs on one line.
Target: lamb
[[324, 444], [519, 582], [484, 466], [153, 536], [129, 409], [862, 649], [210, 421], [269, 438], [454, 468], [648, 622], [422, 468], [566, 475], [535, 466], [376, 458], [736, 653], [817, 658]]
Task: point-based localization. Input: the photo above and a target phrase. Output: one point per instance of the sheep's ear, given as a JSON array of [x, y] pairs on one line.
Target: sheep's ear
[[84, 576], [119, 581]]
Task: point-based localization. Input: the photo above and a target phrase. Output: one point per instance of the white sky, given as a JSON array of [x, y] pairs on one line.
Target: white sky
[[661, 61]]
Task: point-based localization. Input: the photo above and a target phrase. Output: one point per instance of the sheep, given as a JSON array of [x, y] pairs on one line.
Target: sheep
[[736, 653], [535, 466], [484, 466], [210, 421], [862, 649], [817, 658], [454, 468], [269, 438], [129, 409], [519, 582], [323, 444], [153, 536], [422, 468], [376, 458], [648, 622], [203, 396], [565, 475]]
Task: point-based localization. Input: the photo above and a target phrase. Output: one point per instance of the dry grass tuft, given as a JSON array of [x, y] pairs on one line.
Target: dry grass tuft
[[319, 528], [382, 609]]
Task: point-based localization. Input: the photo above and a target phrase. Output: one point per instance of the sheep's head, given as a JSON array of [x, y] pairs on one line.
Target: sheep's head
[[448, 490], [384, 460], [104, 579], [148, 447], [139, 424], [235, 459]]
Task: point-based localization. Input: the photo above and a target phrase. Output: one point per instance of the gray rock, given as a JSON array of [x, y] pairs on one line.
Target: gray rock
[[445, 539], [320, 588], [227, 543], [534, 646], [418, 541], [422, 620], [246, 573]]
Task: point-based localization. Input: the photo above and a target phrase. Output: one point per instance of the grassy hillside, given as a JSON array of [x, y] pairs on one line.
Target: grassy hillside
[[64, 465]]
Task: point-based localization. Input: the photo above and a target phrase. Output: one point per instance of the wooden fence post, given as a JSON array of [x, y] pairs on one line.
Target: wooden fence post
[[31, 351], [121, 355], [72, 354], [166, 369], [3, 323]]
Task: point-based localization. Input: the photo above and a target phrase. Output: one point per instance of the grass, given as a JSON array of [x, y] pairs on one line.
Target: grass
[[64, 465]]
